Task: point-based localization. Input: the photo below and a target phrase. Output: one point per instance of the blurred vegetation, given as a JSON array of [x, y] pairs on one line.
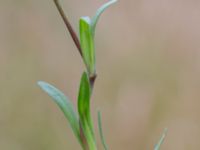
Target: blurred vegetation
[[148, 73]]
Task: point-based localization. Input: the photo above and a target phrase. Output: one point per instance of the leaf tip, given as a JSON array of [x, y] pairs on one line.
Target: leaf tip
[[40, 83], [158, 145]]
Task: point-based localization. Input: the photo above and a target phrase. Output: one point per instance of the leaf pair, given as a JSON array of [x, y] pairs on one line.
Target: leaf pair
[[67, 108], [87, 32]]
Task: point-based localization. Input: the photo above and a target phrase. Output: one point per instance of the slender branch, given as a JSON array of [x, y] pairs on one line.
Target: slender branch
[[69, 27], [74, 36]]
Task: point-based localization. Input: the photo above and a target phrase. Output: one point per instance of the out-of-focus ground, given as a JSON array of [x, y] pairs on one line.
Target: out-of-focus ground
[[148, 62]]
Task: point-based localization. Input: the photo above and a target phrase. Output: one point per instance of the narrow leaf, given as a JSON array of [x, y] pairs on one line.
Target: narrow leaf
[[98, 14], [84, 111], [64, 104], [87, 44], [101, 131], [157, 147]]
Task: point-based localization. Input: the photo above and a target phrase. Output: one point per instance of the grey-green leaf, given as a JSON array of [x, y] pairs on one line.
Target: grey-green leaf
[[101, 131], [98, 14], [158, 145], [87, 44], [84, 111], [65, 105]]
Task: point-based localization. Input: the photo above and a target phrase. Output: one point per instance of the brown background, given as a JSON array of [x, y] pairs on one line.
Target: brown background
[[148, 64]]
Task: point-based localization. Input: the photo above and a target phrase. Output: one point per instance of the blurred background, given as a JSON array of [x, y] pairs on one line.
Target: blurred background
[[148, 65]]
